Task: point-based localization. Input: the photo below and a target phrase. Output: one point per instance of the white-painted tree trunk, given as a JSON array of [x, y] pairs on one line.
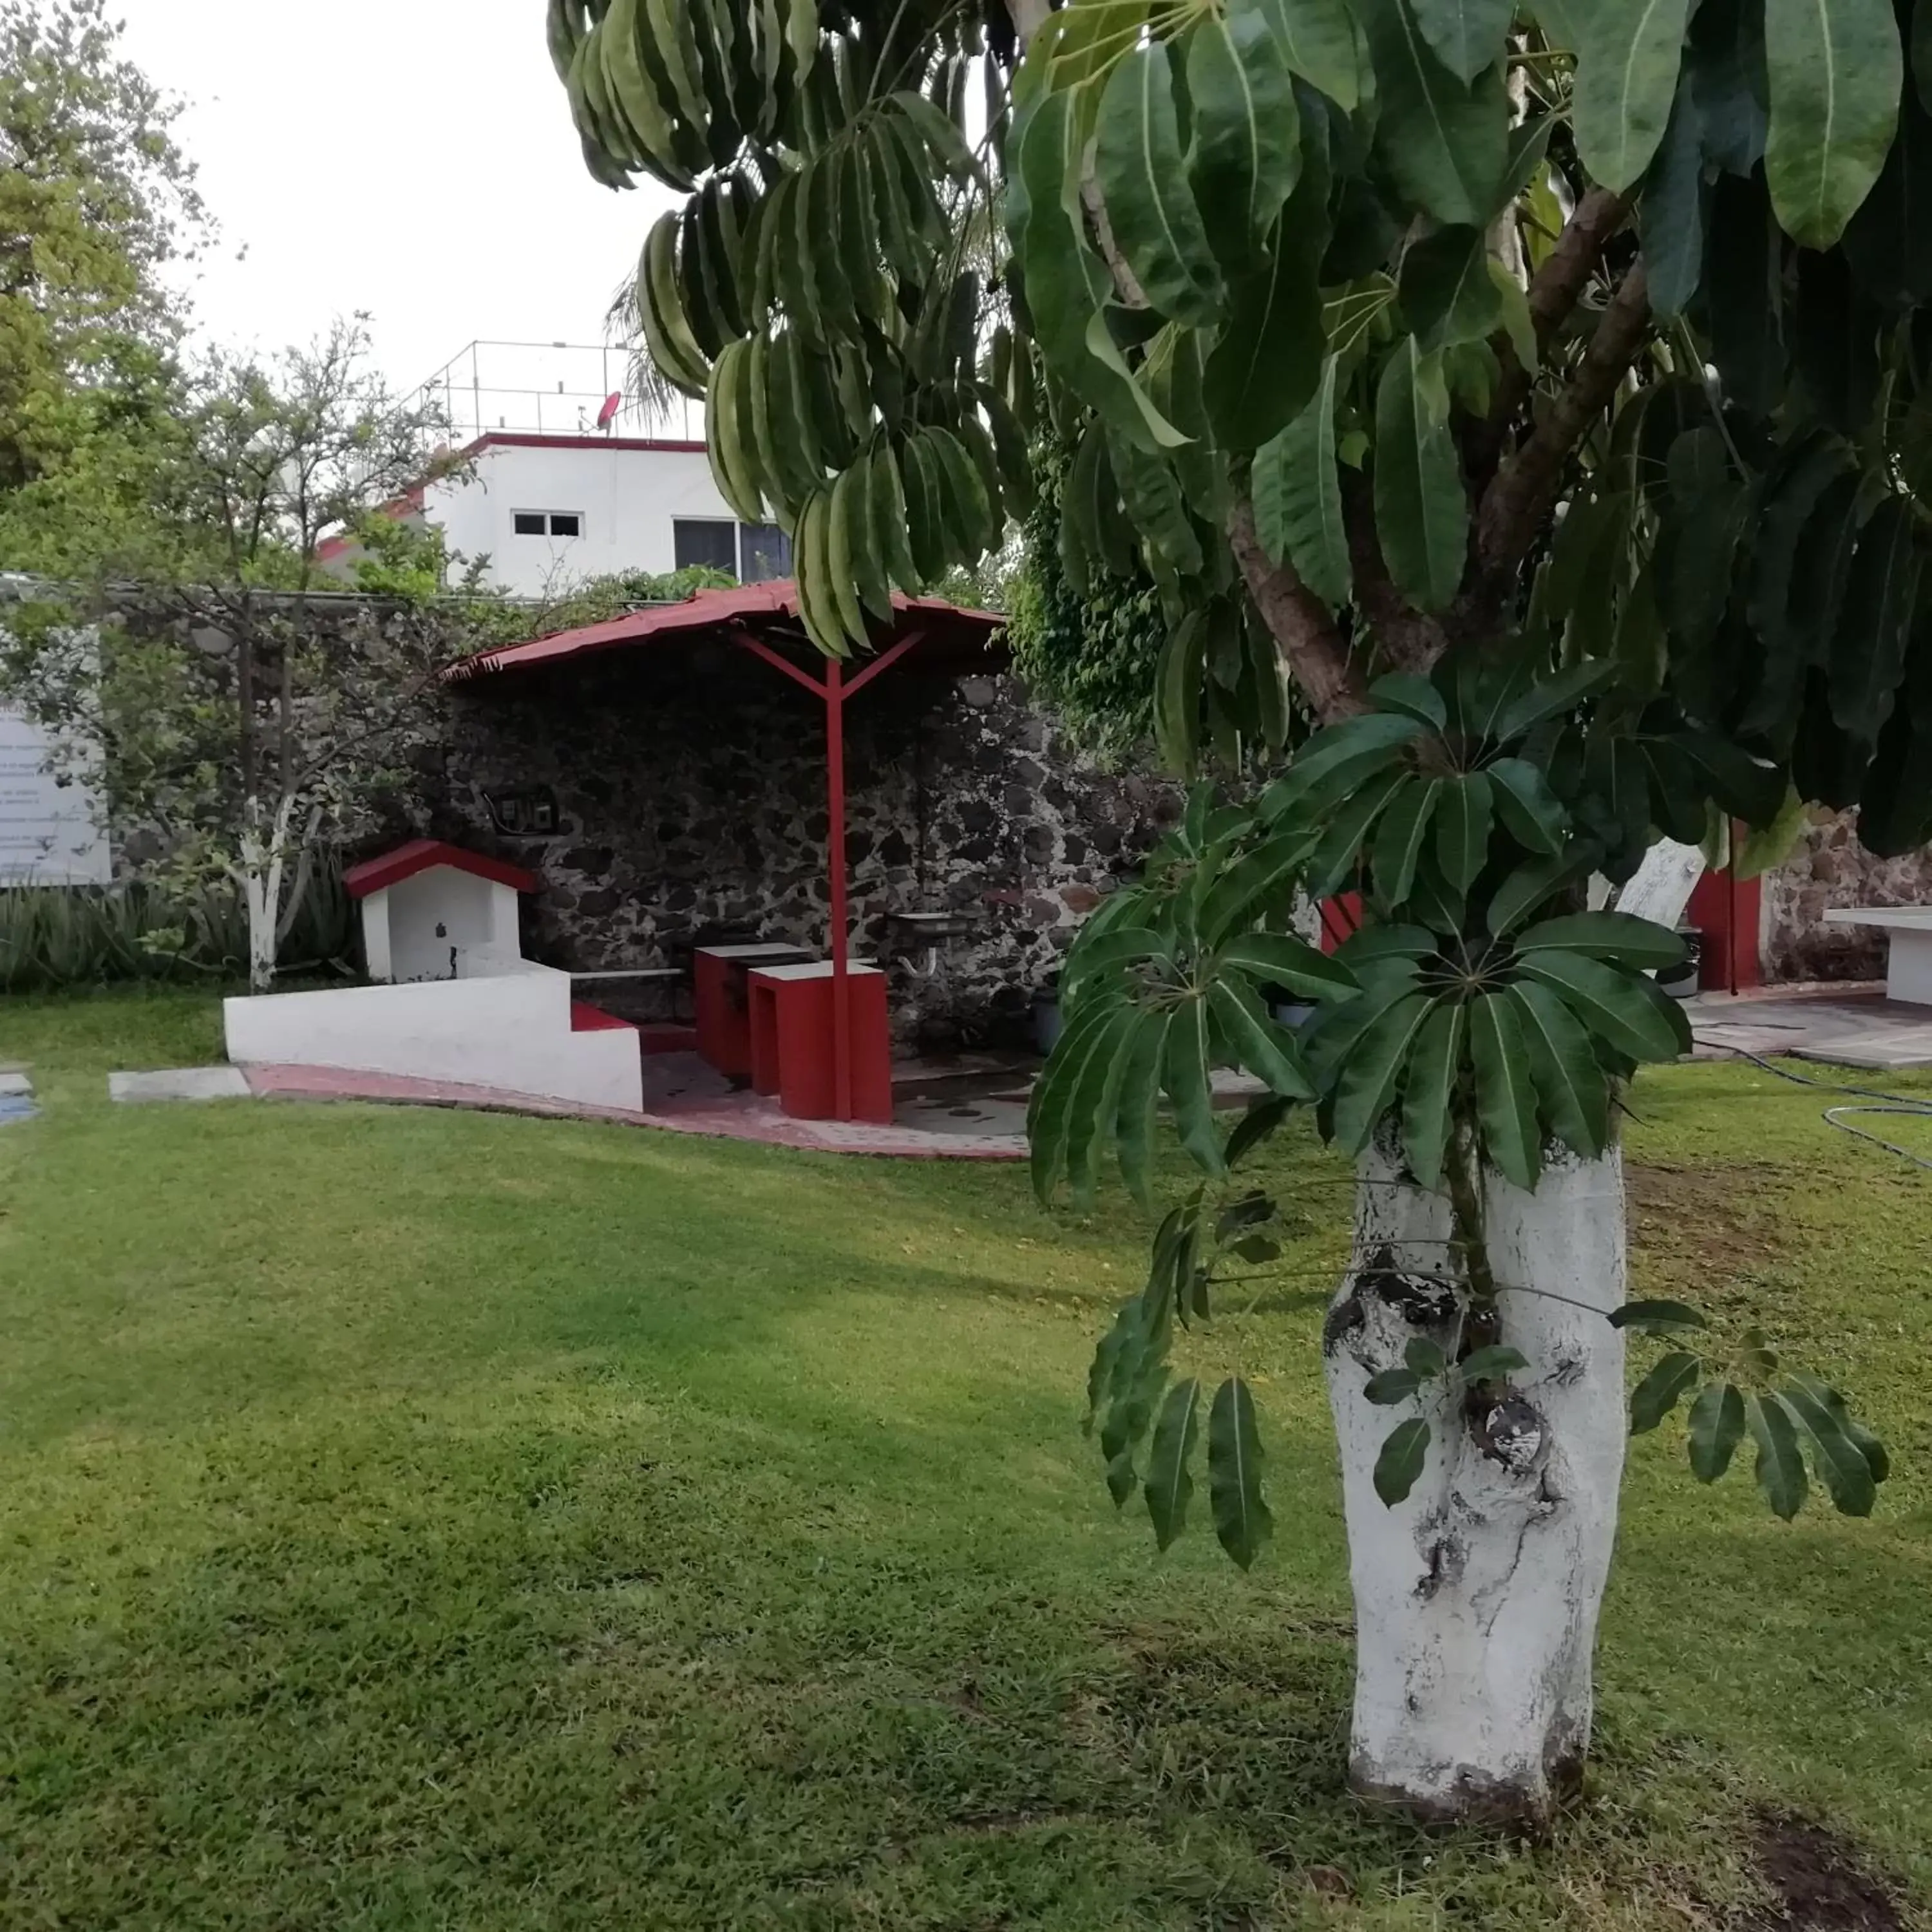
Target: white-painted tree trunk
[[1476, 1599], [262, 862]]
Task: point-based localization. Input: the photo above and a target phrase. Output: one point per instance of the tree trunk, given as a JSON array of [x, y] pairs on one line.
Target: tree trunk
[[262, 862], [1476, 1598]]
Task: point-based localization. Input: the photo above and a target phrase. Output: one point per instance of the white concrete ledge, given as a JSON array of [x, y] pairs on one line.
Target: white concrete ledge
[[508, 1030], [1908, 977]]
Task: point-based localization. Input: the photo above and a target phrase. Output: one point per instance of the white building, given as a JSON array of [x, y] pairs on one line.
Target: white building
[[550, 492]]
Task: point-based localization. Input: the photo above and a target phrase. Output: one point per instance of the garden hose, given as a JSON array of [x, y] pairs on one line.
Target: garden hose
[[1878, 1102]]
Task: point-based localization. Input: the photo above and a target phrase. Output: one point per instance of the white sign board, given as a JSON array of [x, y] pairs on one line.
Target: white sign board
[[49, 833]]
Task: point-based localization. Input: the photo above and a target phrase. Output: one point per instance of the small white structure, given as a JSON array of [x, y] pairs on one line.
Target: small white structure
[[1908, 973], [433, 911], [463, 1006], [49, 833]]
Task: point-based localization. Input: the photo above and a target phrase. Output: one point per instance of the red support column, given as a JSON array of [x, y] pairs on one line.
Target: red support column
[[835, 855]]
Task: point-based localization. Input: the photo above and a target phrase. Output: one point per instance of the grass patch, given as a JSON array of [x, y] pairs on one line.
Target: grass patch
[[417, 1519]]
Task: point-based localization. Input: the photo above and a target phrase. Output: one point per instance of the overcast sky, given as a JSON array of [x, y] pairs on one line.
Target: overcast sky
[[412, 157]]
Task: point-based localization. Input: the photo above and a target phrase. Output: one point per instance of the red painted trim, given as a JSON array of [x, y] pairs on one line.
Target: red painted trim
[[531, 440], [878, 664], [422, 855], [737, 607], [742, 636], [835, 866]]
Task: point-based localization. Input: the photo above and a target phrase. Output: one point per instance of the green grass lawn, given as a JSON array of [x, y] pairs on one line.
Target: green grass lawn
[[414, 1519]]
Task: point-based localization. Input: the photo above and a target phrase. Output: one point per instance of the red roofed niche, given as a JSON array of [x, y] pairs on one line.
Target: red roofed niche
[[422, 855]]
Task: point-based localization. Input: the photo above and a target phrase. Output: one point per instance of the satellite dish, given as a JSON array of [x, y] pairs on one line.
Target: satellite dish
[[607, 414]]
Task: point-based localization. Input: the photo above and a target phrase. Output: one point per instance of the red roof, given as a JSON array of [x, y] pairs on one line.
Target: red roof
[[753, 607], [422, 855]]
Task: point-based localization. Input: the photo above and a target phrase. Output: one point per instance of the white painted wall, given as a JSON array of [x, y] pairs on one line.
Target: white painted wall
[[423, 927], [627, 497], [511, 1031]]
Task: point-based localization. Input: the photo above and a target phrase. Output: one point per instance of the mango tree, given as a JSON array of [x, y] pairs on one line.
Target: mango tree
[[1521, 410]]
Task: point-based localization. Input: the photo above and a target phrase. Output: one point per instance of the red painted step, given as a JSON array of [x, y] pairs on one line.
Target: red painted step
[[585, 1017]]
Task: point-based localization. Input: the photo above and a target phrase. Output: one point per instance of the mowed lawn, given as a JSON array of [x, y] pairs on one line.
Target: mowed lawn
[[420, 1519]]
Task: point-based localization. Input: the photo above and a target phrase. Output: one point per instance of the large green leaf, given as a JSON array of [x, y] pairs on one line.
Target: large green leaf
[[1400, 836], [1137, 1106], [1335, 858], [1142, 173], [1717, 1426], [1606, 935], [1369, 1076], [1463, 821], [1867, 660], [1835, 70], [1671, 211], [1318, 37], [1245, 155], [1170, 1484], [1297, 496], [1575, 1096], [1609, 1002], [1187, 1076], [1282, 959], [1840, 1462], [1401, 1459], [1242, 1521], [1662, 1389], [1265, 366], [1447, 292], [1526, 806], [1467, 34], [1444, 143], [1505, 1093], [1064, 284], [1780, 1464], [1427, 1120], [1626, 79], [1264, 1048], [1422, 516], [1050, 1112]]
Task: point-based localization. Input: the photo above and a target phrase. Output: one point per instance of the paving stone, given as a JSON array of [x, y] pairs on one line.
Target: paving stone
[[180, 1083], [15, 1087]]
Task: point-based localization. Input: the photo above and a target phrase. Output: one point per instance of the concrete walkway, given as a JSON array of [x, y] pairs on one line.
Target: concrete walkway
[[683, 1095], [1848, 1023]]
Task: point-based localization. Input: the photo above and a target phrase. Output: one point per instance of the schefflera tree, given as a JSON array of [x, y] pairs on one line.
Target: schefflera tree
[[1522, 411]]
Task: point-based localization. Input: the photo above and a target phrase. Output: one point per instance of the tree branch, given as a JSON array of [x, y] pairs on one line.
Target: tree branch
[[1304, 629], [1409, 639], [1516, 503], [1554, 291]]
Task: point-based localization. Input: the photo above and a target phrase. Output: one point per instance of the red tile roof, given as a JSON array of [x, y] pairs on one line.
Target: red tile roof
[[420, 855]]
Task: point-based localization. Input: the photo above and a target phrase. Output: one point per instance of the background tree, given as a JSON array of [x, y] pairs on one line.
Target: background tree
[[97, 205], [1542, 389], [242, 730]]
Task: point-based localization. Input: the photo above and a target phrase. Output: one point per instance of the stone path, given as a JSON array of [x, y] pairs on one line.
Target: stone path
[[180, 1083], [1848, 1024], [17, 1096]]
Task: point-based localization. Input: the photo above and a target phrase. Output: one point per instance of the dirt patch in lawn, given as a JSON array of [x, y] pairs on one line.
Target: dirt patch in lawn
[[1818, 1881], [1711, 1222]]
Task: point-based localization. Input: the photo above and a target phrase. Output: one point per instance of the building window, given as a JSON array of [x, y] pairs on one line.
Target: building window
[[546, 523], [704, 543], [752, 552], [764, 552]]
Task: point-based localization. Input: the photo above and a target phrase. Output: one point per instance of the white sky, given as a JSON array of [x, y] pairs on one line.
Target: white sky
[[412, 157]]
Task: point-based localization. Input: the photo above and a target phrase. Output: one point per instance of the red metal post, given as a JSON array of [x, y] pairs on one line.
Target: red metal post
[[835, 855]]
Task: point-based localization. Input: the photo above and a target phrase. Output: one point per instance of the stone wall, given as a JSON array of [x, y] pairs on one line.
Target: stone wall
[[1830, 868], [690, 794]]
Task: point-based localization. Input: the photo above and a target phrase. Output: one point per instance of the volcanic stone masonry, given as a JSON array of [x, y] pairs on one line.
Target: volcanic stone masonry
[[688, 792]]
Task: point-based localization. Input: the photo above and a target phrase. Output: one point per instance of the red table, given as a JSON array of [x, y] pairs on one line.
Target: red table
[[793, 1052], [720, 1004]]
